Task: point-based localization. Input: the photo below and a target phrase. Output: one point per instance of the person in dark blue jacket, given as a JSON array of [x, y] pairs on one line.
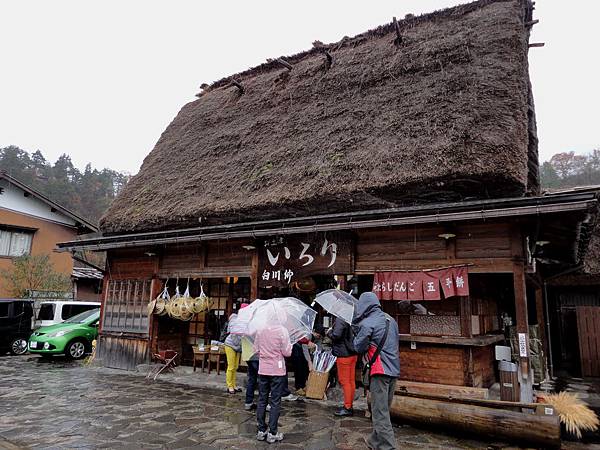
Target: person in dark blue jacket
[[370, 324]]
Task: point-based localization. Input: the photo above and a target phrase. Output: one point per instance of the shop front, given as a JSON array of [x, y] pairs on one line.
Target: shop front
[[457, 287]]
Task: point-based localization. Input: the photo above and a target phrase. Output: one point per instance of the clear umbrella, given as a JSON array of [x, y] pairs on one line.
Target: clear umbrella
[[337, 302], [294, 315]]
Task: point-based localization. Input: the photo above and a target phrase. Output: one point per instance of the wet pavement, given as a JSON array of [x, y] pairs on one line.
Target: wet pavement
[[58, 404]]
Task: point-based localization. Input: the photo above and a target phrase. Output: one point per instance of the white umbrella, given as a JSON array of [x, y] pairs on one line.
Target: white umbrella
[[337, 302], [294, 315]]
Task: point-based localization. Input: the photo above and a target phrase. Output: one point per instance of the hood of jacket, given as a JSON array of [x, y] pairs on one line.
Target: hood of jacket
[[367, 304]]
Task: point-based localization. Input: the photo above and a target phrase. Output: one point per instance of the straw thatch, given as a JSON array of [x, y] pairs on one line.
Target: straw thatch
[[445, 113]]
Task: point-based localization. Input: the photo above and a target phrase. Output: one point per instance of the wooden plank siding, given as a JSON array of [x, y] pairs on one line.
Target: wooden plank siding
[[209, 260], [588, 329], [444, 364], [486, 246], [122, 352]]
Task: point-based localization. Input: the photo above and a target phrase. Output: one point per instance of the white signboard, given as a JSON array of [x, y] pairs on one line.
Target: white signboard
[[523, 345]]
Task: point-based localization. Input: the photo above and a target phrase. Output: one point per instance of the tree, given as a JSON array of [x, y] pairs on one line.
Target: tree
[[549, 177], [563, 163], [89, 193], [34, 273]]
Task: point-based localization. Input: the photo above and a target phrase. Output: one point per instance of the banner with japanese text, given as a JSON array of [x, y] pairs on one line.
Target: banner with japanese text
[[286, 259], [425, 285]]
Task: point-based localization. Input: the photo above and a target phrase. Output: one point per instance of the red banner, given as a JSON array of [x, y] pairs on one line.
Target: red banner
[[427, 285]]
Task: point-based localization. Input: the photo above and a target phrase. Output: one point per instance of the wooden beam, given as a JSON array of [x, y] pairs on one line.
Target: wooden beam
[[493, 423], [329, 59], [476, 265], [254, 276], [284, 63], [539, 309], [238, 85], [398, 39], [521, 317]]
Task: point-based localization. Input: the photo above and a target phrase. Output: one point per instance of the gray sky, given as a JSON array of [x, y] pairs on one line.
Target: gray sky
[[101, 80]]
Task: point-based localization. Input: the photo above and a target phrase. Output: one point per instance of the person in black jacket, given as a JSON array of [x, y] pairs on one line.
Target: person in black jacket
[[343, 348]]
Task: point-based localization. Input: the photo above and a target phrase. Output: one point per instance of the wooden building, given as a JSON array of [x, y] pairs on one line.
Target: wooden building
[[409, 148], [32, 224]]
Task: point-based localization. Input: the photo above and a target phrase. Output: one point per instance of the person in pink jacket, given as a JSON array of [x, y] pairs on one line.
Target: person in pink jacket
[[272, 344]]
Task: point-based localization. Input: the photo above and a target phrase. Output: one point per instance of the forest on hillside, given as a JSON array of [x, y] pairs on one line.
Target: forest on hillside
[[87, 193]]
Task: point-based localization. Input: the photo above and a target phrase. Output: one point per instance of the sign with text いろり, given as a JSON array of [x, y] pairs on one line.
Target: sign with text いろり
[[283, 260]]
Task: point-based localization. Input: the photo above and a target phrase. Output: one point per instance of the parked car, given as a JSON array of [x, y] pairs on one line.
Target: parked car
[[72, 338], [15, 325], [55, 312]]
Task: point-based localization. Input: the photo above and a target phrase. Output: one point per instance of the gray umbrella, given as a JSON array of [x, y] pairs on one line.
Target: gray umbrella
[[337, 302]]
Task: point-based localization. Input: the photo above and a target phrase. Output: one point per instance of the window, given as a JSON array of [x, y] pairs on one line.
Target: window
[[46, 311], [126, 306], [70, 310], [15, 242], [4, 309]]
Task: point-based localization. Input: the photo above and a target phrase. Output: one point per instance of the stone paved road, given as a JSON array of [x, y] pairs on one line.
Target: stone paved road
[[58, 405]]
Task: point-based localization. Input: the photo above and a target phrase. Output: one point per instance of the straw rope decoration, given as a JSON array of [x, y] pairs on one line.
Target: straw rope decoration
[[572, 412]]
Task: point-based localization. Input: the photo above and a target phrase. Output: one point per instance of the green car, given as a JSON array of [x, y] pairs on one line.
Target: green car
[[72, 338]]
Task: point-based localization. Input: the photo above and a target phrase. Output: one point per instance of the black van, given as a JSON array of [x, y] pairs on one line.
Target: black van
[[15, 325]]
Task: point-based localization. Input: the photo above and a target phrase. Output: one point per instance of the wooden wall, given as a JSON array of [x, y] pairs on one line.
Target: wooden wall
[[122, 352], [210, 260], [486, 246], [442, 364]]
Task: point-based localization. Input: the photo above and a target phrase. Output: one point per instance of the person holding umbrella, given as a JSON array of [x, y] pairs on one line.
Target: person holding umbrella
[[343, 348], [272, 344]]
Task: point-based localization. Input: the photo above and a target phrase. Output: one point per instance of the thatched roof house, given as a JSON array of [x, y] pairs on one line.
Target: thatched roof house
[[444, 112]]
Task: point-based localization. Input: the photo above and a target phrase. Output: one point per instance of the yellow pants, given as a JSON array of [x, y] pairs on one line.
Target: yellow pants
[[233, 361]]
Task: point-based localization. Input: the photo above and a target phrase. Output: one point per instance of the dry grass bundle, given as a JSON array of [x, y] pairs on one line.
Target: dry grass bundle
[[573, 413]]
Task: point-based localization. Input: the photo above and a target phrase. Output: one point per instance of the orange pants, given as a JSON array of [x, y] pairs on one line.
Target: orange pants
[[346, 367]]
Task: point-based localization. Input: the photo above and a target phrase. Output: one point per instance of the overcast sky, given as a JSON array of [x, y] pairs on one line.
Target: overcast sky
[[101, 80]]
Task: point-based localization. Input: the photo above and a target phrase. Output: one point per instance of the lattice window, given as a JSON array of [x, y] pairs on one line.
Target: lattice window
[[125, 306]]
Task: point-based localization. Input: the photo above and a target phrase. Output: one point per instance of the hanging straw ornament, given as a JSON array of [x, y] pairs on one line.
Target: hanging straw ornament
[[202, 302], [187, 306], [174, 308], [162, 300]]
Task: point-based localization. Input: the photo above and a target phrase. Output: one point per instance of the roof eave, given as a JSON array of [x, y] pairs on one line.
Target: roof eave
[[83, 223], [479, 210]]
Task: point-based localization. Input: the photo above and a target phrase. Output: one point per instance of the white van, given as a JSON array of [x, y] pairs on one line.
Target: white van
[[53, 312]]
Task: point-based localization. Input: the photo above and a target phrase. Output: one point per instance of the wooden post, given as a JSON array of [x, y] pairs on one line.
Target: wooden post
[[539, 309], [466, 327], [254, 276], [521, 317]]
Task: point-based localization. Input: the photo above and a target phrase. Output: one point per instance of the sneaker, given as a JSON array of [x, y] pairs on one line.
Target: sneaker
[[271, 438], [249, 406], [237, 389], [261, 435], [301, 392], [344, 412], [290, 398]]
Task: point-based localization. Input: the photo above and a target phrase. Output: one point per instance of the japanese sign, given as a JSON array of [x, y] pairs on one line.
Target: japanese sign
[[522, 345], [285, 260], [427, 285]]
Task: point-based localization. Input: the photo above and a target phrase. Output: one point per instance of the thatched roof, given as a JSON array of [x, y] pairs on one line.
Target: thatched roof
[[446, 113]]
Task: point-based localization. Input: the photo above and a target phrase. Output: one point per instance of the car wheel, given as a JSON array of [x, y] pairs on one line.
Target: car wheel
[[75, 350], [18, 346]]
